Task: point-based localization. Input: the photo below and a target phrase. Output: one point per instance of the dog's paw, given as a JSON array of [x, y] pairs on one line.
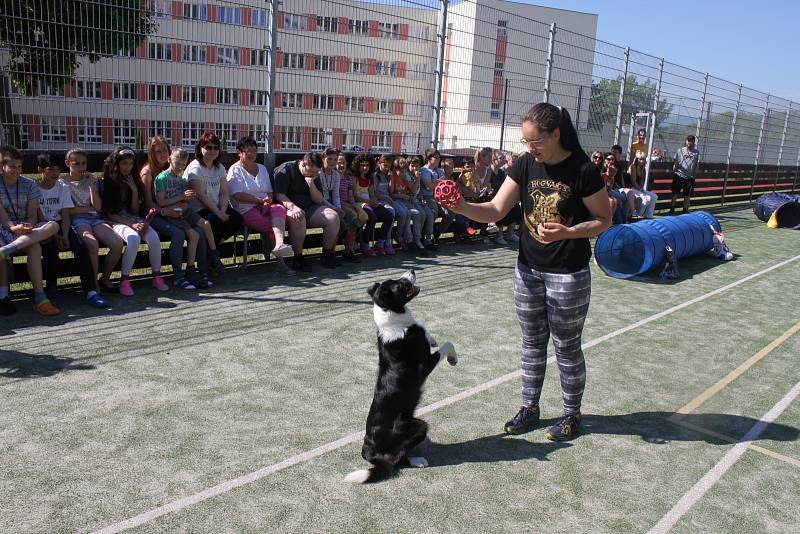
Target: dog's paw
[[431, 341], [358, 477], [449, 352], [417, 461]]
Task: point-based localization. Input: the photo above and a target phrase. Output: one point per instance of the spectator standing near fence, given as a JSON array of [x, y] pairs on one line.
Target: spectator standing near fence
[[687, 158], [20, 231], [158, 160], [640, 145], [564, 204], [55, 204], [121, 194], [297, 188], [86, 221], [207, 179]]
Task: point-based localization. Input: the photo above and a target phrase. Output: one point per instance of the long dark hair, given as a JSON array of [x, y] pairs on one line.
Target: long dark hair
[[112, 186], [548, 117]]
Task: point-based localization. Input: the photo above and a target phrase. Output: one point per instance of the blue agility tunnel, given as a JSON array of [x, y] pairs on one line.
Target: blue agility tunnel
[[626, 250], [785, 207]]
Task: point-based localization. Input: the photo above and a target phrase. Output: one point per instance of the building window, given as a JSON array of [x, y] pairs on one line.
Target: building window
[[228, 97], [354, 140], [358, 66], [47, 90], [195, 11], [194, 95], [321, 138], [162, 128], [126, 53], [161, 51], [382, 141], [386, 68], [294, 22], [326, 63], [259, 98], [194, 54], [124, 91], [328, 24], [385, 106], [230, 15], [502, 26], [124, 132], [293, 61], [323, 101], [260, 18], [22, 127], [227, 55], [354, 103], [389, 30], [191, 133], [358, 27], [494, 110], [89, 131], [88, 89], [258, 132], [259, 58], [291, 138], [229, 133], [54, 129], [418, 33], [417, 71], [292, 100], [159, 93], [161, 9]]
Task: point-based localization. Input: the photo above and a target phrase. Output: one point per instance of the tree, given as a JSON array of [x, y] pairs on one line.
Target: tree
[[46, 38], [638, 98]]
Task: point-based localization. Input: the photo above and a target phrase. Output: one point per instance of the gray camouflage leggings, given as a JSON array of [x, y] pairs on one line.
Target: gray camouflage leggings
[[552, 304]]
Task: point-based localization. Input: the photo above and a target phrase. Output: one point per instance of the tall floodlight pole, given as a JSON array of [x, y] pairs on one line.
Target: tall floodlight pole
[[764, 116], [730, 146], [437, 92], [548, 73], [652, 132], [618, 124], [273, 39]]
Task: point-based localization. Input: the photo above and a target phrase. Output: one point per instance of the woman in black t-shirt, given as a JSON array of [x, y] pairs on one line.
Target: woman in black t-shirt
[[564, 203]]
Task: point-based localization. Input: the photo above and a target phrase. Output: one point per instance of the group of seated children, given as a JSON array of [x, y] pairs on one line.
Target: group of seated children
[[202, 204]]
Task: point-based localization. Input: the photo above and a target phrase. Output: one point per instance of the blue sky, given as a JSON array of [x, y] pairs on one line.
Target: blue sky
[[753, 43]]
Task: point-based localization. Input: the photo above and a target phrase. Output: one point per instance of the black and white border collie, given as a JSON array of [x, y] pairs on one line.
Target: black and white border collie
[[405, 361]]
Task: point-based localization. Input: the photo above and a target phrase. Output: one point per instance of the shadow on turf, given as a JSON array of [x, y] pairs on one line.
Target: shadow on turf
[[487, 449], [687, 269], [656, 428], [14, 364]]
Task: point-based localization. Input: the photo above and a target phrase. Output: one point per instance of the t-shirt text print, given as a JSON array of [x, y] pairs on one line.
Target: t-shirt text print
[[547, 198]]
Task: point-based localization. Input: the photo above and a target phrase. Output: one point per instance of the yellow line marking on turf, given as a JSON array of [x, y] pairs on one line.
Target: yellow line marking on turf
[[728, 439], [778, 456], [736, 373]]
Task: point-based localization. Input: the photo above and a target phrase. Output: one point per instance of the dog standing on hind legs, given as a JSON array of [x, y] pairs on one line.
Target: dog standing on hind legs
[[404, 362]]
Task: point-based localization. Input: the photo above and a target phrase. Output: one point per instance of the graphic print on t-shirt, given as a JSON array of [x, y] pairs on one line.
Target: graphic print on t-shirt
[[547, 197]]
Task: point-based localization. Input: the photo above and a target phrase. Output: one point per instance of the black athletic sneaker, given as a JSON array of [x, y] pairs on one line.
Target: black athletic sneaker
[[565, 428], [525, 420], [300, 264], [7, 307], [350, 257], [328, 259]]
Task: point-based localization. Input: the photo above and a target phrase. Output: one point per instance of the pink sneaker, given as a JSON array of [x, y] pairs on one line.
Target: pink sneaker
[[159, 283], [390, 250], [125, 288]]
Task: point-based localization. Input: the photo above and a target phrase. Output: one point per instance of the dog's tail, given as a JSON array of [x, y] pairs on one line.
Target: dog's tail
[[374, 473]]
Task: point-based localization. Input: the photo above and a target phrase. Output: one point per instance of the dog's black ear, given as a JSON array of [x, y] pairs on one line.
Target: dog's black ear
[[373, 289]]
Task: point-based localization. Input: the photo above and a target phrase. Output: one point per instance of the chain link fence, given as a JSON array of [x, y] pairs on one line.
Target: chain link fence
[[392, 76]]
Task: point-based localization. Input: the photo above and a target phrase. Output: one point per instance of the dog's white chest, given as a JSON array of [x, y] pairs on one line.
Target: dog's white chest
[[392, 326]]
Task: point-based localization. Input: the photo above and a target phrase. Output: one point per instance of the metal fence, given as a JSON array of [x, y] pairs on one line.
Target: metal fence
[[389, 76]]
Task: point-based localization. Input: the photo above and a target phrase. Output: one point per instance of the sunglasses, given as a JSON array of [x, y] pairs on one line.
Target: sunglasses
[[596, 157]]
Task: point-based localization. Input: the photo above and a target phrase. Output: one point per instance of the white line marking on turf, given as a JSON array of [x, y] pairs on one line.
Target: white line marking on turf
[[228, 485], [711, 477]]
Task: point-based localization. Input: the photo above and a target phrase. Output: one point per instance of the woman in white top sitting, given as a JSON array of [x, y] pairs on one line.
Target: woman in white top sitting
[[251, 195]]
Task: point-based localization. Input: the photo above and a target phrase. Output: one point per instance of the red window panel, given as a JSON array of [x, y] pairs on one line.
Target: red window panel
[[247, 16], [311, 25], [344, 29], [398, 107], [369, 105], [278, 59], [176, 93], [369, 139], [210, 127], [404, 32], [244, 57], [397, 142], [280, 23], [341, 64], [177, 126], [107, 131], [141, 91], [211, 55], [338, 103], [213, 13], [338, 138], [141, 50], [176, 52], [106, 90], [72, 129], [211, 96], [177, 10], [372, 67], [373, 29], [308, 101], [278, 99], [305, 137], [70, 91], [401, 69], [244, 97], [310, 61]]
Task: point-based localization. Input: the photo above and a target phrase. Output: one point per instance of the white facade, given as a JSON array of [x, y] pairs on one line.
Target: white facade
[[355, 77]]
